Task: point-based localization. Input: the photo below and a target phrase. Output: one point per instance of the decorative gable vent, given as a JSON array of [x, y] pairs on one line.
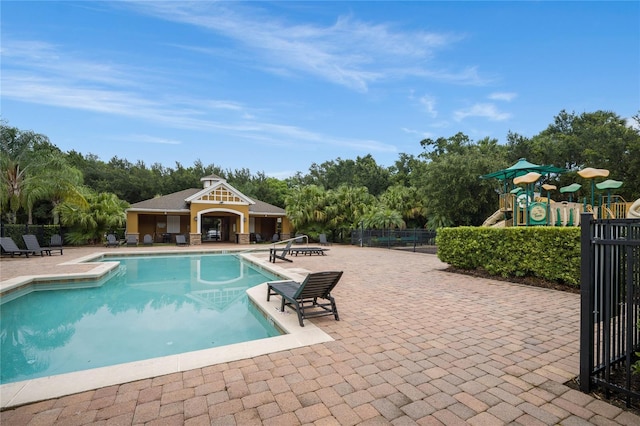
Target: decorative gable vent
[[221, 194]]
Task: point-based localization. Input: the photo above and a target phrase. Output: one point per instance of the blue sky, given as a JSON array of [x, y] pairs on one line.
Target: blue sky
[[276, 86]]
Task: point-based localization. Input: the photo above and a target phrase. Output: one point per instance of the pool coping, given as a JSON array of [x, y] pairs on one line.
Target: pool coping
[[28, 391]]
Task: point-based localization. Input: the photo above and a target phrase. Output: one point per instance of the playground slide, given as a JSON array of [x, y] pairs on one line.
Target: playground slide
[[494, 218], [634, 210]]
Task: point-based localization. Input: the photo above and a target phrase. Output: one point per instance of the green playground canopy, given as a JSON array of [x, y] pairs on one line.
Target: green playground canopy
[[609, 184], [522, 167], [570, 188]]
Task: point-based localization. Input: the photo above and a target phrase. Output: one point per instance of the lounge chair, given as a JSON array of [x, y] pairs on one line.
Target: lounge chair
[[303, 297], [309, 250], [112, 241], [56, 243], [181, 240], [147, 240], [275, 238], [132, 240], [32, 244], [10, 247], [282, 253], [259, 238]]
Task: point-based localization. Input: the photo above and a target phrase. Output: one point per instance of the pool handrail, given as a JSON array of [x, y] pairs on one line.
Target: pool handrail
[[297, 237]]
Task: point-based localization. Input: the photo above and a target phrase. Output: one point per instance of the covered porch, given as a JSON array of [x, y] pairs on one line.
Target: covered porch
[[216, 214]]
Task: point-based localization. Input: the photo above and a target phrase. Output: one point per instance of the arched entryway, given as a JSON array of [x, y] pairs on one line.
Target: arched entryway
[[220, 225]]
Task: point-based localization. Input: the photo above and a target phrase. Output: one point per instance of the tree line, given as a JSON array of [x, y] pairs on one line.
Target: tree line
[[439, 187]]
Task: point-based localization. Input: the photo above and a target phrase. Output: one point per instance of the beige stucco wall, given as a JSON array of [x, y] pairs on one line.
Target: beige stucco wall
[[132, 222], [236, 214]]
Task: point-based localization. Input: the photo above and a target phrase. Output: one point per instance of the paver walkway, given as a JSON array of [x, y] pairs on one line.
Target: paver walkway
[[415, 345]]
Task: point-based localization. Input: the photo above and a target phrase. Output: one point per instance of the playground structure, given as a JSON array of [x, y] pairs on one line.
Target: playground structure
[[526, 201]]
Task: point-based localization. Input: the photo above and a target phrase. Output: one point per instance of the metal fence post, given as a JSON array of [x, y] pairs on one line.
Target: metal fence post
[[586, 303]]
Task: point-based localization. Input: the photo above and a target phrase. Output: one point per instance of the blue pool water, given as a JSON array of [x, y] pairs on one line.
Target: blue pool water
[[150, 307]]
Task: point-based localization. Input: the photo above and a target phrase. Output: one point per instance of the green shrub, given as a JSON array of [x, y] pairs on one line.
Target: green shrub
[[549, 253], [635, 367]]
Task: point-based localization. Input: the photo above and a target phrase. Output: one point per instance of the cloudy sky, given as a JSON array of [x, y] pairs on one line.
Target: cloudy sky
[[276, 86]]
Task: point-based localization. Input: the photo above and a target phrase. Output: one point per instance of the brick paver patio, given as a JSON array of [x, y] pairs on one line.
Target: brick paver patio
[[415, 345]]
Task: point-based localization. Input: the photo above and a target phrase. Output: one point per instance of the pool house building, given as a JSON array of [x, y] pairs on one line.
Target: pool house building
[[216, 213]]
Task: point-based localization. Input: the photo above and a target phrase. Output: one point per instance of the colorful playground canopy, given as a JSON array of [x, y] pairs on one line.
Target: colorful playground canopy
[[522, 167], [570, 188], [609, 184]]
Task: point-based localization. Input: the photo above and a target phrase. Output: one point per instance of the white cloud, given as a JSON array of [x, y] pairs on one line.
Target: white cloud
[[419, 133], [152, 140], [503, 96], [50, 83], [429, 103], [633, 123], [348, 52], [482, 110]]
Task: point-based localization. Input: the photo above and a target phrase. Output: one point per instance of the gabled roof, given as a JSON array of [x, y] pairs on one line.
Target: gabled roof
[[260, 208], [177, 203]]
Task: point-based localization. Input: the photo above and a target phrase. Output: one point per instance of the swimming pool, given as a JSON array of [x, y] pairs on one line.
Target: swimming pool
[[150, 306]]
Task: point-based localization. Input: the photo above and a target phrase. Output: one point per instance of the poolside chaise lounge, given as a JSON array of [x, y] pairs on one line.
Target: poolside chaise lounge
[[303, 297], [275, 253], [309, 250], [56, 243], [112, 241], [9, 246], [32, 244]]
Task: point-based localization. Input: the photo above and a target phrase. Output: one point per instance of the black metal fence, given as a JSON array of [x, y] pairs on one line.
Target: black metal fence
[[392, 238], [42, 232], [610, 306]]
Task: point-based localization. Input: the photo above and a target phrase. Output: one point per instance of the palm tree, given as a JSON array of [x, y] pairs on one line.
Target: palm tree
[[306, 206], [346, 206], [383, 217], [57, 183], [104, 211], [407, 201], [32, 170], [14, 150]]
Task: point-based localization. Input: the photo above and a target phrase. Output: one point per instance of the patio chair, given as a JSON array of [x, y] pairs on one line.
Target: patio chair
[[282, 253], [181, 240], [56, 243], [32, 244], [275, 238], [112, 241], [259, 238], [147, 240], [10, 247], [323, 240], [132, 240], [303, 297]]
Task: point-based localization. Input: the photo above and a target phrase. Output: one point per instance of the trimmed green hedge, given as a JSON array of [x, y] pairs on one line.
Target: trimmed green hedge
[[546, 252]]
